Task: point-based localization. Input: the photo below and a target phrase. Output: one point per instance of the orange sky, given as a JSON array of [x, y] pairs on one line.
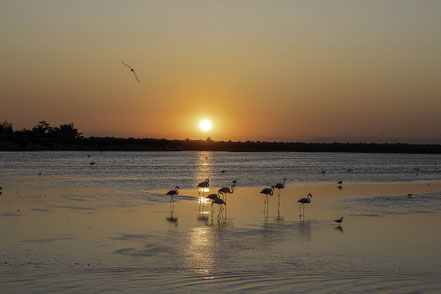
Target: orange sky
[[260, 70]]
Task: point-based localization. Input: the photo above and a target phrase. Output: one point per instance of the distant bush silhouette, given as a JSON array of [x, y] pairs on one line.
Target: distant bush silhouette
[[67, 137]]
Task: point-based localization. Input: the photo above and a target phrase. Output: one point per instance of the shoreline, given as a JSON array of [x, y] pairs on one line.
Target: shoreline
[[99, 144]]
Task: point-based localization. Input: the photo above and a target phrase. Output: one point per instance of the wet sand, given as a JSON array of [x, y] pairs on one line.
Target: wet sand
[[113, 241]]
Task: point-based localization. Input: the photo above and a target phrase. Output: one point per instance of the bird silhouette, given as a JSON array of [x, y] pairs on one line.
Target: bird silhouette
[[340, 182], [226, 190], [173, 192], [212, 197], [279, 186], [203, 185], [132, 70], [267, 192], [221, 204], [339, 221], [304, 201]]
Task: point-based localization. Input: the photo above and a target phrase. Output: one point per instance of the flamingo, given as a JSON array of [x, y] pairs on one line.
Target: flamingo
[[303, 201], [221, 204], [280, 186], [173, 192], [203, 185], [212, 197], [267, 191], [132, 70], [226, 190]]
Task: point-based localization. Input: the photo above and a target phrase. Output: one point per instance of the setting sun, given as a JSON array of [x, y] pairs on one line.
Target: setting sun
[[205, 125]]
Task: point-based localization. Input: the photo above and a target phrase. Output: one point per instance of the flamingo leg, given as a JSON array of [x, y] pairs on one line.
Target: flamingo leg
[[278, 199], [267, 204]]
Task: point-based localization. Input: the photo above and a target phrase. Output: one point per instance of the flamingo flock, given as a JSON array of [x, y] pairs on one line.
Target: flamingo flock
[[220, 198]]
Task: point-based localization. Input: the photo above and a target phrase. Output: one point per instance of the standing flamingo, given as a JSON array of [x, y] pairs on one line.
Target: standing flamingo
[[267, 191], [280, 186], [226, 190], [212, 197], [203, 185], [173, 192], [221, 204], [303, 201]]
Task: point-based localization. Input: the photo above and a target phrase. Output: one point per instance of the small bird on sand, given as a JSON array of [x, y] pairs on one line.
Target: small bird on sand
[[340, 187], [339, 221], [92, 163], [132, 70]]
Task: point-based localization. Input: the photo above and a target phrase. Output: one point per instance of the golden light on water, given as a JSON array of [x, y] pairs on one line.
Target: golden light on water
[[203, 200], [205, 125]]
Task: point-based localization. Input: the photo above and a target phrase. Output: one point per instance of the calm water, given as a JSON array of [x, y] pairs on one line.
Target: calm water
[[137, 171], [97, 228]]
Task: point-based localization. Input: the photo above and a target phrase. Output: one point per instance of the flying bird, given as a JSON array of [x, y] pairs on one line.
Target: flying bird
[[132, 70]]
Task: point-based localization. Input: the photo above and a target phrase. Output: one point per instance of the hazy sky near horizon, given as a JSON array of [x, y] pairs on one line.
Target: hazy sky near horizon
[[260, 70]]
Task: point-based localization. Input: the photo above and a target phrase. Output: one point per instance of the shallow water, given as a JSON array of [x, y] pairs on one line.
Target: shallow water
[[66, 231], [135, 171]]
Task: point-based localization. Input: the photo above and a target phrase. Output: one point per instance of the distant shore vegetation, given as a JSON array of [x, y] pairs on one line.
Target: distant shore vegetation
[[67, 137]]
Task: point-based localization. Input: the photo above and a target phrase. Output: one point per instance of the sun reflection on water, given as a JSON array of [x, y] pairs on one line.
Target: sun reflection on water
[[200, 250], [204, 168]]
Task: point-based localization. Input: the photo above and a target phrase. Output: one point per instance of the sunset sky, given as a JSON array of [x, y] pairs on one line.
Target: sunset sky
[[367, 71]]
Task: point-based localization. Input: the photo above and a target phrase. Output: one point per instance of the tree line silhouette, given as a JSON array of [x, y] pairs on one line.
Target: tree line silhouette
[[67, 137]]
